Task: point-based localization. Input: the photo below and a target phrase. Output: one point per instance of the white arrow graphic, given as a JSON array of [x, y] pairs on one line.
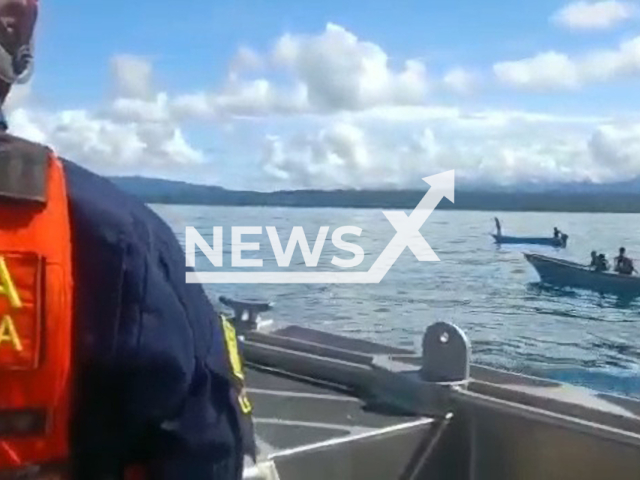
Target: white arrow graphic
[[408, 228], [407, 235]]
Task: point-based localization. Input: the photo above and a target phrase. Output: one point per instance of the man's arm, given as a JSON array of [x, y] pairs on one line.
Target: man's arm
[[178, 398], [152, 372]]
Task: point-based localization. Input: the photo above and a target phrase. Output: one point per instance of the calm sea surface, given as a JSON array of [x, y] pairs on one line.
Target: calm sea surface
[[491, 292]]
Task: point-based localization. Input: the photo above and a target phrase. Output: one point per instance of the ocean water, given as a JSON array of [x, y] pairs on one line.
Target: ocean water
[[491, 292]]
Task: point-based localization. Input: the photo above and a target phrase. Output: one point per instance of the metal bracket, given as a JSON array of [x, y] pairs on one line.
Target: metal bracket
[[446, 352], [427, 391], [246, 314]]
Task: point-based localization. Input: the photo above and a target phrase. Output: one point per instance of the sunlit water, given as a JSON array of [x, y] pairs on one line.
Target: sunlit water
[[491, 292]]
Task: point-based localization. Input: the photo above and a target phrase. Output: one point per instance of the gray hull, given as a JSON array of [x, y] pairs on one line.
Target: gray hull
[[562, 273], [331, 407]]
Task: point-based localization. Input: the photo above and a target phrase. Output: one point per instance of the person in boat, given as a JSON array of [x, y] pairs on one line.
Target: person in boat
[[560, 237], [594, 259], [602, 264], [563, 239], [623, 264], [141, 375]]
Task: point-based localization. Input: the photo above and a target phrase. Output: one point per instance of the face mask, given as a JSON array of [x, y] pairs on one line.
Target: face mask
[[18, 68]]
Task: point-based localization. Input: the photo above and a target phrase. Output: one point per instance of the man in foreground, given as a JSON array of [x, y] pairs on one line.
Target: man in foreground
[[109, 362]]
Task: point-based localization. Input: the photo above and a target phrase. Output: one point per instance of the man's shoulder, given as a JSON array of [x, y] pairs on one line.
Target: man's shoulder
[[96, 201], [97, 204]]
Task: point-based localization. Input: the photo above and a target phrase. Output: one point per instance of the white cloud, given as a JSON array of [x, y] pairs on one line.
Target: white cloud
[[19, 95], [557, 71], [616, 148], [104, 144], [544, 71], [325, 73], [246, 59], [479, 119], [195, 106], [499, 147], [135, 131], [460, 81], [140, 110], [342, 72], [132, 75], [322, 74], [21, 124], [258, 97], [601, 15], [337, 156], [241, 99]]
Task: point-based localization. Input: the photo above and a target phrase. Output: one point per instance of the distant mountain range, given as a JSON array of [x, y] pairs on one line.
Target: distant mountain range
[[620, 197]]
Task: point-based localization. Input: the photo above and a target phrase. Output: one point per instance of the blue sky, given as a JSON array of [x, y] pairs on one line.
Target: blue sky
[[547, 103], [192, 47]]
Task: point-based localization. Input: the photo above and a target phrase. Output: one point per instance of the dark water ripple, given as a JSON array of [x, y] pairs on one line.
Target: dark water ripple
[[491, 292]]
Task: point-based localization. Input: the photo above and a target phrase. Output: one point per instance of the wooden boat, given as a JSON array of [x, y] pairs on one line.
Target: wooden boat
[[559, 242], [327, 406], [549, 241], [563, 273]]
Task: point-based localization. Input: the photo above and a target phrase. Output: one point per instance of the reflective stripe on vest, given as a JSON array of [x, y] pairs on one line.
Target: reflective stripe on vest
[[239, 398], [36, 308]]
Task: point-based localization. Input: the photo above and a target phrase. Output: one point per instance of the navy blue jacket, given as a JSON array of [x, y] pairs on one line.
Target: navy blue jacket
[[154, 383]]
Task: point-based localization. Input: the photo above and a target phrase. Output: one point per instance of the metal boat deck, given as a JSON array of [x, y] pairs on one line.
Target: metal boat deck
[[291, 410], [330, 407]]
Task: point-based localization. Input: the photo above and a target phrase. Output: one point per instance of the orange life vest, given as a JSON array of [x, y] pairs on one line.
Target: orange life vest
[[36, 319], [36, 311]]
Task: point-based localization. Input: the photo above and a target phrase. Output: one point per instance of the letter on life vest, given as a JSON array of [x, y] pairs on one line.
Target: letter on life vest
[[20, 314]]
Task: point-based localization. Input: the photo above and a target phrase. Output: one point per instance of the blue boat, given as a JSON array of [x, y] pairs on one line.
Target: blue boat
[[549, 241], [563, 273], [558, 242]]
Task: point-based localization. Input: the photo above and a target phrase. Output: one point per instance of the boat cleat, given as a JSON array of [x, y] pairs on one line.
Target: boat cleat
[[427, 390], [246, 314]]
